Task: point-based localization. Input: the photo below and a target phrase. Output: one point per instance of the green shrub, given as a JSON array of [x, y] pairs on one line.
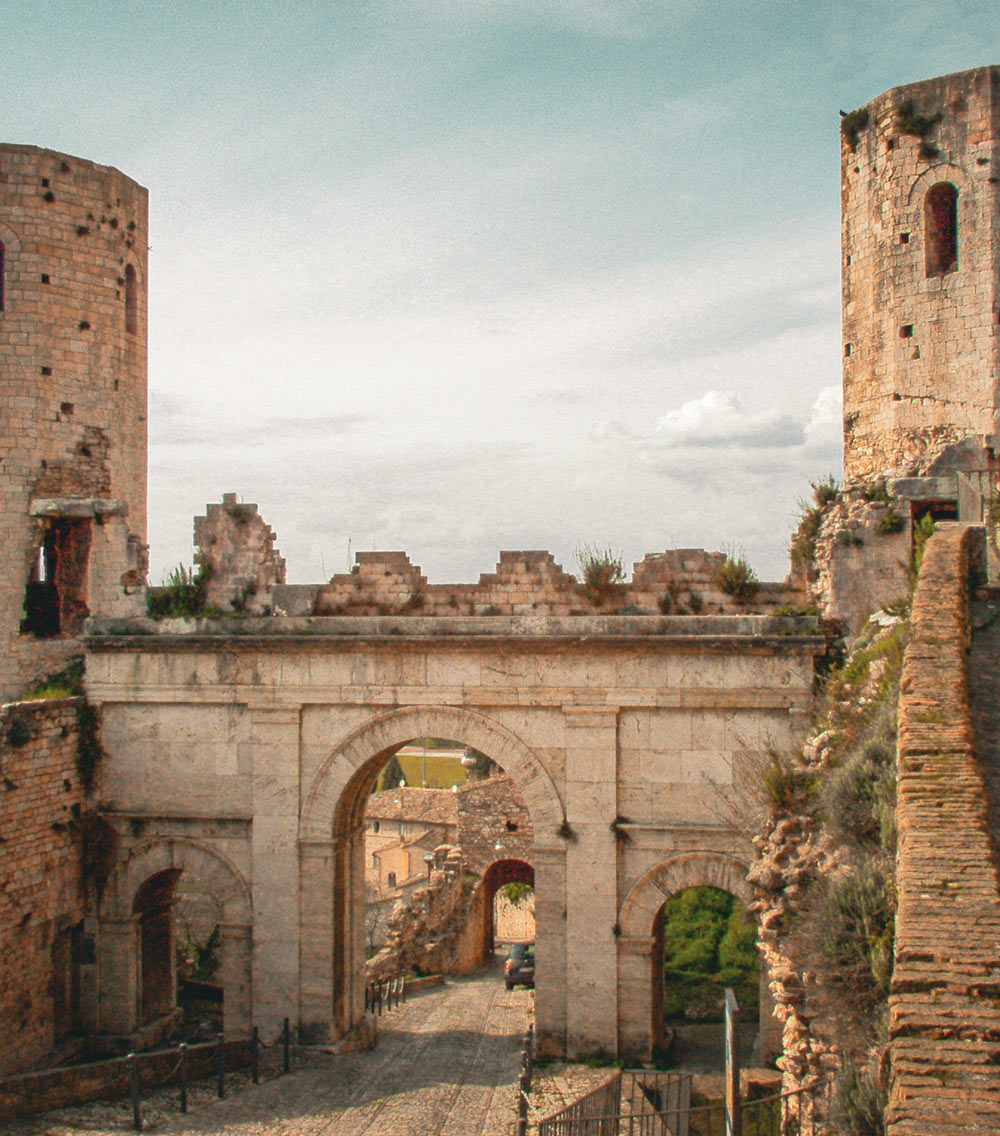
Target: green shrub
[[858, 912], [890, 522], [923, 530], [736, 578], [19, 733], [851, 126], [825, 491], [67, 683], [859, 1104], [601, 570], [183, 595]]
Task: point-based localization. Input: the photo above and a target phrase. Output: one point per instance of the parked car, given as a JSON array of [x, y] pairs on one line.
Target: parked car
[[519, 969]]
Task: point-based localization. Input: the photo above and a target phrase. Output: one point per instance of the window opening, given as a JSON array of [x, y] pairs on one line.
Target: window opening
[[55, 599], [131, 301], [941, 229]]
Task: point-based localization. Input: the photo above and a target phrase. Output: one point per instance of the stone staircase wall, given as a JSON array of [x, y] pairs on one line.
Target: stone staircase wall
[[944, 1005]]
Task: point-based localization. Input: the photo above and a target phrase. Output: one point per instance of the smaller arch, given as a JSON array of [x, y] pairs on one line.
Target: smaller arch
[[692, 869], [219, 875], [500, 872], [131, 301], [941, 229], [136, 919]]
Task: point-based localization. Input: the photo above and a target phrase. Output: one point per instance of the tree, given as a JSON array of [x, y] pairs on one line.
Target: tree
[[392, 774]]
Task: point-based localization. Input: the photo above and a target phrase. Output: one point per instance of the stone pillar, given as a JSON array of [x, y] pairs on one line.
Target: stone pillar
[[316, 941], [550, 950], [635, 1010], [274, 843], [119, 965], [591, 880], [235, 968]]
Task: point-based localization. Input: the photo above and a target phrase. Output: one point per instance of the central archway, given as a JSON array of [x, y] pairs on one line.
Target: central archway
[[331, 847]]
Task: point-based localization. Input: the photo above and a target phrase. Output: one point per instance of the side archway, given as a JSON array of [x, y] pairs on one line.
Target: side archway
[[331, 846], [640, 970], [120, 964]]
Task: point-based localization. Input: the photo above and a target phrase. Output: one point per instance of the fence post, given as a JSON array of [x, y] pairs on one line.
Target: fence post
[[220, 1066], [734, 1118], [133, 1088], [286, 1045], [523, 1088], [184, 1077], [255, 1055]]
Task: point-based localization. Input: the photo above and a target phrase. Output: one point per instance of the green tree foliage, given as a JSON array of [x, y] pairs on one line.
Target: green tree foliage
[[391, 775], [706, 947]]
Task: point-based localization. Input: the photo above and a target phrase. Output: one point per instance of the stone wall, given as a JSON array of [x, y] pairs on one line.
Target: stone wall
[[41, 893], [73, 352], [920, 346], [491, 812], [679, 581], [239, 564], [435, 929], [944, 1023]]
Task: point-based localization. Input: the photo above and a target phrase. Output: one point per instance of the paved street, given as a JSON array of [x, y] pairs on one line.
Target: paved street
[[446, 1064]]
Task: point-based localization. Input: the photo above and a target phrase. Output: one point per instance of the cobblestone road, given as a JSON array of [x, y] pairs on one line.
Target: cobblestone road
[[446, 1064]]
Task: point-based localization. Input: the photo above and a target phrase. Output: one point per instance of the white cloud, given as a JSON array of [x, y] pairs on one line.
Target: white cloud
[[718, 419]]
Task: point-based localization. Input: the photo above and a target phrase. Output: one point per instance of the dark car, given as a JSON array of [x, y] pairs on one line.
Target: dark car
[[519, 969]]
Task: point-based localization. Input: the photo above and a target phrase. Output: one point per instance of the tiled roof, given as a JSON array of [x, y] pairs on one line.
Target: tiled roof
[[429, 806]]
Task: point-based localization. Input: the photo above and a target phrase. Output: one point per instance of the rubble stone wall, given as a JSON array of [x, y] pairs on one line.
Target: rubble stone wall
[[41, 899]]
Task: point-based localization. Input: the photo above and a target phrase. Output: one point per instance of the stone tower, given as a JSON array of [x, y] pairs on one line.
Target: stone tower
[[920, 190], [73, 244]]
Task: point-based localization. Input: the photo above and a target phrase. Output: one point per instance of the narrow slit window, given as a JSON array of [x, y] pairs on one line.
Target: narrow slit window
[[131, 301], [3, 276], [941, 229]]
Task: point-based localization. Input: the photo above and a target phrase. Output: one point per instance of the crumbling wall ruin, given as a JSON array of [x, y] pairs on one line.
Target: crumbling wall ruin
[[435, 929], [239, 565]]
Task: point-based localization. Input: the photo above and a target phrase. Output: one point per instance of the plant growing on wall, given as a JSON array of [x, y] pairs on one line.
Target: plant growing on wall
[[736, 578], [851, 126], [601, 570]]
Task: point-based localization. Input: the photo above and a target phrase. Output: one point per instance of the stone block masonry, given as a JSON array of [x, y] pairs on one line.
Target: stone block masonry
[[944, 1024], [920, 194], [42, 940], [73, 258]]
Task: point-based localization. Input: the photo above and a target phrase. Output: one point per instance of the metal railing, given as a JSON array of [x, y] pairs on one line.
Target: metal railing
[[643, 1103], [388, 992], [636, 1102]]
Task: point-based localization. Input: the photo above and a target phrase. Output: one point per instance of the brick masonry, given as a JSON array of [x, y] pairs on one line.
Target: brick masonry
[[944, 1024], [41, 892]]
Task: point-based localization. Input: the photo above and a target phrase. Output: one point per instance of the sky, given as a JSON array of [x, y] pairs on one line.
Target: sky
[[457, 276]]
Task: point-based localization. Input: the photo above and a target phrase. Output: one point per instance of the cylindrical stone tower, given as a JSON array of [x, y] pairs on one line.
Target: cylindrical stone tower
[[73, 244], [920, 189]]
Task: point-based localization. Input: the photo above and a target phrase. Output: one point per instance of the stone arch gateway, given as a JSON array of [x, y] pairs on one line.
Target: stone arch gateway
[[620, 734]]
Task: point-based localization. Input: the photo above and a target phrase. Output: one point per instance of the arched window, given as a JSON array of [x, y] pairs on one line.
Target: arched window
[[941, 229], [131, 301]]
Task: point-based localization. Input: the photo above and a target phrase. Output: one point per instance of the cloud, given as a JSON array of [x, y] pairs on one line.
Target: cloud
[[718, 419]]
